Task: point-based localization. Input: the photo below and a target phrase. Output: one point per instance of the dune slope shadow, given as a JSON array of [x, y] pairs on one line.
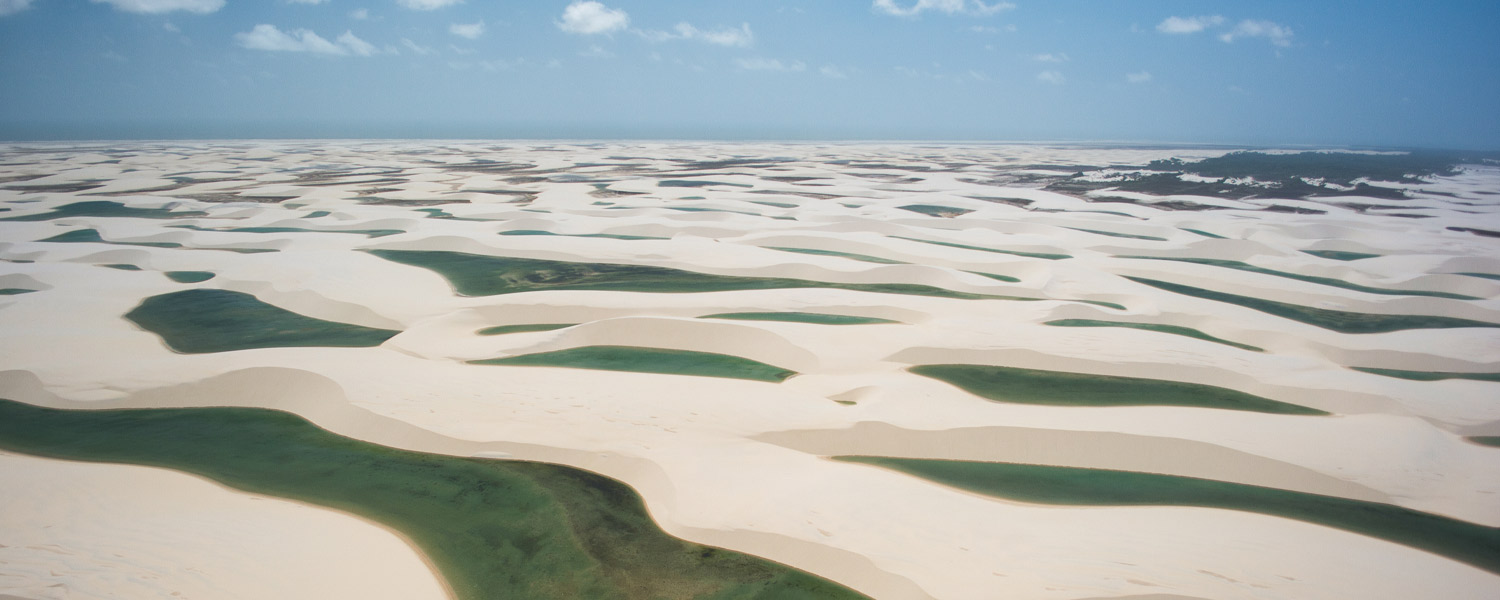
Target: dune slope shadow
[[649, 360], [479, 275], [495, 529], [1466, 542], [1059, 388], [206, 320]]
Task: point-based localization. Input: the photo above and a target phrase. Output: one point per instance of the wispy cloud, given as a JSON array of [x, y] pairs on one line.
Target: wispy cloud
[[467, 30], [771, 64], [1141, 77], [10, 7], [1050, 57], [596, 51], [1277, 34], [728, 36], [417, 48], [1052, 77], [356, 46], [154, 7], [359, 14], [427, 4], [268, 37], [1188, 24], [501, 64], [833, 72], [589, 18], [992, 30], [306, 1], [952, 7]]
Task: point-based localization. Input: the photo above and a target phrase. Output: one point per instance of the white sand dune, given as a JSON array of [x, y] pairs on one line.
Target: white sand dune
[[743, 464], [139, 532]]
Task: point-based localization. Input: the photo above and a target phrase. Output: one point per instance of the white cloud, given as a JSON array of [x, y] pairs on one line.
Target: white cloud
[[1051, 58], [414, 47], [1279, 35], [1142, 77], [8, 7], [357, 46], [427, 4], [989, 30], [306, 1], [467, 30], [1052, 77], [588, 18], [153, 7], [1188, 24], [501, 64], [170, 27], [360, 14], [952, 7], [596, 51], [268, 37], [727, 36], [833, 72], [770, 64]]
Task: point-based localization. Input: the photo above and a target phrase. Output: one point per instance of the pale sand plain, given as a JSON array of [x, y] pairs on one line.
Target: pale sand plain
[[742, 464]]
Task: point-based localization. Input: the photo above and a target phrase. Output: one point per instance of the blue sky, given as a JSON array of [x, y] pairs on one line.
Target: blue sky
[[1369, 72]]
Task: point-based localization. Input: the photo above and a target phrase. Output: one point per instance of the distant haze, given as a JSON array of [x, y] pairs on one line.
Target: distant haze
[[1390, 73]]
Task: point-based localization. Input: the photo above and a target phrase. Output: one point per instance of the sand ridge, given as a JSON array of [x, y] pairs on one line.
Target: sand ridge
[[741, 464]]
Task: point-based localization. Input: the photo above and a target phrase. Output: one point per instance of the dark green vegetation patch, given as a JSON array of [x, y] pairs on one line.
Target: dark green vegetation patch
[[1328, 281], [205, 320], [1061, 388], [523, 328], [1172, 329], [1429, 375], [1476, 545], [105, 208], [190, 276], [14, 291], [1492, 441], [800, 317], [649, 360], [1278, 175], [495, 529], [1335, 320], [480, 275], [1343, 168]]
